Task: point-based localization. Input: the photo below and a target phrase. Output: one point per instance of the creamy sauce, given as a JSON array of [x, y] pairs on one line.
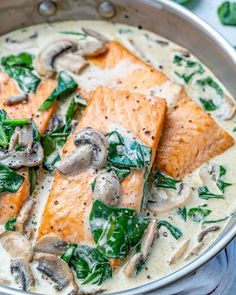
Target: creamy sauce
[[147, 46]]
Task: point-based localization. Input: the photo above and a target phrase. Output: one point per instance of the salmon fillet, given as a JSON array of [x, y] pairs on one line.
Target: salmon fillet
[[190, 136], [70, 200], [11, 203]]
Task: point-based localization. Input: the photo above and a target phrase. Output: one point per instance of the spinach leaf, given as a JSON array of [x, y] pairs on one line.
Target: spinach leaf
[[10, 181], [116, 230], [121, 172], [20, 67], [221, 183], [126, 151], [198, 214], [11, 224], [211, 83], [160, 180], [5, 132], [66, 86], [125, 31], [176, 233], [15, 122], [183, 213], [181, 1], [82, 103], [88, 263], [32, 178], [227, 13], [205, 194], [214, 221], [72, 110], [82, 36], [208, 104], [193, 68]]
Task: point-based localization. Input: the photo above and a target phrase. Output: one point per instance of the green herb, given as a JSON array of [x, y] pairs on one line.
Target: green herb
[[93, 185], [234, 130], [220, 183], [82, 36], [116, 230], [161, 180], [20, 67], [125, 31], [5, 131], [176, 233], [187, 64], [121, 172], [181, 1], [183, 213], [66, 86], [11, 224], [36, 134], [211, 83], [32, 178], [208, 104], [227, 13], [198, 214], [205, 194], [15, 122], [10, 181], [89, 264], [125, 151], [80, 101], [214, 221], [72, 110]]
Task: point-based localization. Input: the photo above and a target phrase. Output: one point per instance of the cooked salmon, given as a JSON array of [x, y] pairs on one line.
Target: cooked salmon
[[70, 199], [10, 203], [190, 136]]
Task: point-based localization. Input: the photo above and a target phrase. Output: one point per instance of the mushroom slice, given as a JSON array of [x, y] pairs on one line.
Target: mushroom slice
[[99, 143], [16, 245], [20, 267], [78, 160], [23, 135], [132, 264], [95, 35], [202, 235], [71, 62], [227, 109], [45, 60], [24, 215], [164, 200], [180, 252], [16, 99], [194, 251], [209, 175], [107, 188], [93, 48], [55, 269], [17, 159], [51, 243]]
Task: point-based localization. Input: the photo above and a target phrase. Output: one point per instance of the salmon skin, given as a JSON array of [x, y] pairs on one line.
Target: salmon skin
[[11, 203], [70, 200], [190, 136]]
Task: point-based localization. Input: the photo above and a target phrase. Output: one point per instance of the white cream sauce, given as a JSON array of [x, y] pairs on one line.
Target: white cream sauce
[[160, 53]]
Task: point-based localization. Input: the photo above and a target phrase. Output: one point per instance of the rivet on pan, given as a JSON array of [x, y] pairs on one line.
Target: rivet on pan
[[107, 9], [47, 8]]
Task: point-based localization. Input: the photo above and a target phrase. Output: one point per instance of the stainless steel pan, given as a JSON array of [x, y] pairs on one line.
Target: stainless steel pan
[[162, 17]]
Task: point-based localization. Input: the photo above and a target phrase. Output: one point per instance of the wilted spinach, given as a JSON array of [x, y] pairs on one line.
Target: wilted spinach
[[65, 87], [20, 68], [205, 194], [221, 183], [198, 214], [160, 180], [208, 104], [116, 230], [211, 83], [89, 264], [32, 178], [227, 13], [11, 224], [82, 36], [183, 213], [176, 233], [10, 181], [181, 1], [215, 220]]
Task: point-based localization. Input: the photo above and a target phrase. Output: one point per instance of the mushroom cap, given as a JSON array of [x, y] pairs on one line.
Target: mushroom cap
[[51, 243], [44, 63], [227, 109], [24, 215], [16, 245], [93, 48], [164, 200], [71, 62], [107, 188]]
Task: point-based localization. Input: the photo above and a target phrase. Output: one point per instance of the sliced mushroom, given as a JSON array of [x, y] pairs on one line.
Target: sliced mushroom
[[227, 109], [202, 235], [16, 245], [71, 62], [51, 243], [180, 252], [55, 123], [21, 269], [95, 35], [132, 264], [78, 160], [194, 251], [55, 269], [93, 48], [16, 99], [22, 44], [164, 200], [99, 143], [45, 60], [23, 135], [17, 159], [24, 215], [107, 188], [209, 175]]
